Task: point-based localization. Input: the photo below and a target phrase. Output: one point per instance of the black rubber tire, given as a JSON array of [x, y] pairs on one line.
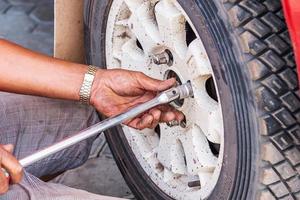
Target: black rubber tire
[[250, 51]]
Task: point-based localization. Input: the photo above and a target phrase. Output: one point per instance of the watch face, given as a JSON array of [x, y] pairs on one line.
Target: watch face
[[89, 78]]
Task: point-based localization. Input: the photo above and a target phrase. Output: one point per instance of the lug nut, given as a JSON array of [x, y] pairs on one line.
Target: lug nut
[[183, 124], [176, 123], [173, 123], [164, 58]]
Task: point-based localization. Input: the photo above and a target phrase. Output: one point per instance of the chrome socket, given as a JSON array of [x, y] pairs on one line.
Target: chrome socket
[[164, 58]]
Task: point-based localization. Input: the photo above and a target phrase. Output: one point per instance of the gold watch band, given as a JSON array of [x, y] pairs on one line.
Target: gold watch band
[[86, 87]]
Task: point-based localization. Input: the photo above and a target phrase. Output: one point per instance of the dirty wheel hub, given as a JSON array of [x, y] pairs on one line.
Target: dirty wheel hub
[[158, 39]]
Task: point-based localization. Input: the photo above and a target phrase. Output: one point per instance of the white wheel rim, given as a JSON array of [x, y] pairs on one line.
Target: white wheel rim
[[180, 156]]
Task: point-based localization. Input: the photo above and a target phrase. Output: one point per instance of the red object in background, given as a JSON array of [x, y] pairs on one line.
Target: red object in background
[[292, 15]]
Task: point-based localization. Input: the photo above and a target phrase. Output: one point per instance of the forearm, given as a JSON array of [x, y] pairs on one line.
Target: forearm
[[23, 71]]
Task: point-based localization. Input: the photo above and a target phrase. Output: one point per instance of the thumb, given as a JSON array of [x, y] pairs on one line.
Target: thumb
[[156, 85], [8, 147]]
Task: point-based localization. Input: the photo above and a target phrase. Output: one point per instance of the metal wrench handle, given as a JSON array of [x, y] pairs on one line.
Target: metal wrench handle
[[87, 133], [182, 91]]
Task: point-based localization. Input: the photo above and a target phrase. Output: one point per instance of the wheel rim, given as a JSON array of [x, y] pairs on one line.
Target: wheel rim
[[183, 161]]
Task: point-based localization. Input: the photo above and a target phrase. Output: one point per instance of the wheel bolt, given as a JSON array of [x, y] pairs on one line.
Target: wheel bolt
[[173, 123], [159, 167], [176, 123], [183, 124], [164, 58], [194, 183]]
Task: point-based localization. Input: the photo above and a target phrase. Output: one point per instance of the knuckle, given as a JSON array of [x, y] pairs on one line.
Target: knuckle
[[157, 116], [154, 125], [17, 172]]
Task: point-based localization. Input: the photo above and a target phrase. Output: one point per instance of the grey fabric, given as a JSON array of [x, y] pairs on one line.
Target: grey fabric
[[31, 188], [32, 123]]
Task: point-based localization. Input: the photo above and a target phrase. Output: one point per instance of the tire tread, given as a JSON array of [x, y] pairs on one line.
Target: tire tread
[[265, 42]]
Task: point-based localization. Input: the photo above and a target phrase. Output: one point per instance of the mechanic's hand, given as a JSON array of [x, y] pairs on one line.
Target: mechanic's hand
[[11, 165], [115, 91]]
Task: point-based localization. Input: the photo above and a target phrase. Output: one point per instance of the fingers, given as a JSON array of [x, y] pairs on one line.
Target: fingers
[[147, 96], [8, 147], [168, 116], [141, 123], [155, 85], [156, 114], [169, 113], [4, 180], [3, 183], [153, 117], [10, 163]]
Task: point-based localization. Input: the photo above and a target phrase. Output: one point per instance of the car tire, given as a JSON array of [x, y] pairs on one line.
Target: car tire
[[249, 48]]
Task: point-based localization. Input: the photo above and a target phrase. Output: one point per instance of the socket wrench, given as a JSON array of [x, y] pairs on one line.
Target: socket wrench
[[179, 92]]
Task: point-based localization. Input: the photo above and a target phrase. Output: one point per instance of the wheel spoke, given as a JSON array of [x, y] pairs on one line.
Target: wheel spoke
[[170, 151], [169, 176], [123, 22], [178, 165], [152, 137], [142, 24], [171, 25], [117, 55], [199, 157], [122, 36], [132, 57], [140, 140], [206, 113], [197, 60], [151, 154], [204, 177], [146, 149], [166, 141], [215, 125], [133, 5]]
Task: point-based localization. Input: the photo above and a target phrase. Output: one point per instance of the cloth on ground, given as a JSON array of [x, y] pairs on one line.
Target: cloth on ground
[[31, 188]]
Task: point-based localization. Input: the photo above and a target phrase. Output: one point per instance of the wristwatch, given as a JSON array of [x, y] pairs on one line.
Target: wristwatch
[[86, 87]]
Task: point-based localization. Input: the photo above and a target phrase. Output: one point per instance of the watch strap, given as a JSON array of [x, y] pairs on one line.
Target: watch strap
[[86, 87]]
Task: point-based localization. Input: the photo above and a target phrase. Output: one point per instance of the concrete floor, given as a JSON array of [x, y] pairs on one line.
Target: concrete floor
[[99, 175], [30, 24]]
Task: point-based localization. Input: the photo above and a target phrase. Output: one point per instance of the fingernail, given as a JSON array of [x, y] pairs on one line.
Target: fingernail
[[5, 173]]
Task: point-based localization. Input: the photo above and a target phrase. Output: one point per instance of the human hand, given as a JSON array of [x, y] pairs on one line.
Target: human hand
[[115, 91], [9, 163]]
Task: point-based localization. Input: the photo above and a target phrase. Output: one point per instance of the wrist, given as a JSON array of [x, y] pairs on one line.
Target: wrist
[[96, 86]]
